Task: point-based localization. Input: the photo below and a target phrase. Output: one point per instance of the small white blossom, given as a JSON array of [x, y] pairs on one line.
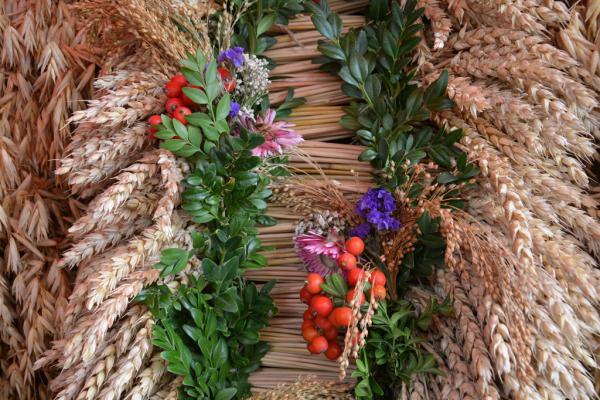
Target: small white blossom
[[253, 80], [247, 112]]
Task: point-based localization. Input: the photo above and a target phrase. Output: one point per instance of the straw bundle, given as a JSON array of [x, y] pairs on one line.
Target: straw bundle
[[105, 347], [45, 72], [528, 109]]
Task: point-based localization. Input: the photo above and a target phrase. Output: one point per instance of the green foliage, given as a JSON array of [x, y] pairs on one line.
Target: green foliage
[[336, 287], [205, 128], [256, 21], [392, 353], [208, 329], [391, 116]]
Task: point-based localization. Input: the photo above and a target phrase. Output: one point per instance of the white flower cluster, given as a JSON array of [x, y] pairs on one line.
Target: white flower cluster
[[253, 80], [247, 112]]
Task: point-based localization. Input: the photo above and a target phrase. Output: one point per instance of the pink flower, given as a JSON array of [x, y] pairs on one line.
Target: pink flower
[[278, 135], [317, 252]]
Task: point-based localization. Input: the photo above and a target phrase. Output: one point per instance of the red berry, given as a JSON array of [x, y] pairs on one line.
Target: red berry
[[355, 246], [228, 81], [307, 324], [172, 89], [308, 316], [334, 350], [322, 305], [350, 296], [305, 295], [180, 80], [229, 85], [323, 322], [309, 332], [377, 278], [331, 333], [224, 72], [347, 261], [331, 318], [155, 120], [173, 104], [354, 275], [318, 345], [180, 114], [151, 131], [379, 292], [314, 282], [342, 316]]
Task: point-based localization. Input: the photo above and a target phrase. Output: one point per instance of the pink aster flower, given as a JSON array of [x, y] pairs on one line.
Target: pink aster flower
[[278, 135], [317, 252]]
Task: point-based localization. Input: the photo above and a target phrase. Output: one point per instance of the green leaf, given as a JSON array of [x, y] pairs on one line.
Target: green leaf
[[198, 96], [211, 75], [194, 135], [227, 301], [362, 44], [332, 50], [446, 177], [367, 155], [365, 135], [199, 119], [172, 144], [358, 67], [323, 26], [223, 107], [259, 204], [211, 133], [336, 25], [373, 86], [219, 353], [265, 24], [180, 129], [378, 9], [213, 90], [347, 76], [226, 394]]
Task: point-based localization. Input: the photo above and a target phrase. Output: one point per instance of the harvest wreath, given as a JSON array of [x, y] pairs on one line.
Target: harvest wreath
[[218, 118], [255, 244]]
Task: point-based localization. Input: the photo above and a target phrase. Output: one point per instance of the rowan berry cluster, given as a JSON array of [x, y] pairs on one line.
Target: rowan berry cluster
[[329, 310]]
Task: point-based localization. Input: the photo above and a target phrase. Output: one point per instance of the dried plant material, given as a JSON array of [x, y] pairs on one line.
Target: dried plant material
[[440, 23], [45, 72], [134, 24], [307, 388], [148, 381]]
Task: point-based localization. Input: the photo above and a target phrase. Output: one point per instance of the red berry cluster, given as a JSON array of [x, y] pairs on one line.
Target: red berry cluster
[[322, 321], [179, 105]]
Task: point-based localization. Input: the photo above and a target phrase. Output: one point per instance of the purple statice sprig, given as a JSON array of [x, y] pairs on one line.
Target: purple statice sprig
[[234, 109], [361, 230], [376, 206], [234, 56]]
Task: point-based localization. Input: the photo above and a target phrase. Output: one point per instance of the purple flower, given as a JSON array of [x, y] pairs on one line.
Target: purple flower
[[234, 55], [362, 230], [234, 109], [376, 206]]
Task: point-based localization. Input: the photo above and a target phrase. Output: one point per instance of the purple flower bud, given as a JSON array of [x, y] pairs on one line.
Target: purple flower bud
[[376, 206], [234, 109], [234, 55], [362, 230]]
